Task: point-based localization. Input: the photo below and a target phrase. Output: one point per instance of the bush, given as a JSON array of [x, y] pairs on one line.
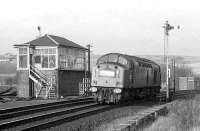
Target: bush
[[187, 113], [184, 115]]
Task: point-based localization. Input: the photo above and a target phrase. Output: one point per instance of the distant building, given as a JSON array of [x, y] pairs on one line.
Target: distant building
[[8, 57], [2, 81], [7, 79], [187, 83], [50, 67], [3, 59]]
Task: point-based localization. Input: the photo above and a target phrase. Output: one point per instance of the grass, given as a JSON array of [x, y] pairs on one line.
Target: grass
[[99, 122], [184, 115], [113, 124], [7, 67]]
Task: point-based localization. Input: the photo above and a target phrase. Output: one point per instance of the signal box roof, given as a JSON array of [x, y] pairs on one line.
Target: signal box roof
[[51, 40]]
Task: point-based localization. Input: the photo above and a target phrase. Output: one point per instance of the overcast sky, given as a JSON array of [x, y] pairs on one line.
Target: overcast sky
[[127, 26]]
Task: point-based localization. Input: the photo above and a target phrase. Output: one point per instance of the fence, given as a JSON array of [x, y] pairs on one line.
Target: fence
[[84, 87]]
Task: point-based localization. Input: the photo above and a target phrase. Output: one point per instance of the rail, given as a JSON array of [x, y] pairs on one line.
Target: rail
[[39, 117], [177, 95], [47, 115]]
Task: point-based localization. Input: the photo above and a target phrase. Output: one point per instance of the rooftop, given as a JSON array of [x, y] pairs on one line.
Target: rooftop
[[51, 40]]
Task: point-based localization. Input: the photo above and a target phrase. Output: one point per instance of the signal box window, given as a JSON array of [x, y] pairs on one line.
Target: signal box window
[[71, 58], [45, 61], [45, 58], [52, 61], [22, 58]]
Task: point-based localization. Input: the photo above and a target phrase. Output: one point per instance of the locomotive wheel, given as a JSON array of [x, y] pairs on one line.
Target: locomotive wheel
[[125, 97], [115, 101], [98, 102]]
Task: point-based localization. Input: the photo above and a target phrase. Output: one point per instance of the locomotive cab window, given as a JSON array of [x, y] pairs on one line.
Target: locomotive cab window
[[103, 59], [122, 60], [113, 58]]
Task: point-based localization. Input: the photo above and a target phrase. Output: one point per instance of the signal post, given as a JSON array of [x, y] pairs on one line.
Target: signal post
[[167, 27]]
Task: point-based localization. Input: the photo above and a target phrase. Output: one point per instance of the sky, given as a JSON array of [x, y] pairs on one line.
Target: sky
[[126, 26]]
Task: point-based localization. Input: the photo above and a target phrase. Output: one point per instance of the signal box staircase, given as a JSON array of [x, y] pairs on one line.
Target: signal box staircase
[[43, 84]]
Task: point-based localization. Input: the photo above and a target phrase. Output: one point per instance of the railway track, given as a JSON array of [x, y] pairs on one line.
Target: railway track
[[146, 117], [177, 95], [37, 117], [25, 110], [43, 116]]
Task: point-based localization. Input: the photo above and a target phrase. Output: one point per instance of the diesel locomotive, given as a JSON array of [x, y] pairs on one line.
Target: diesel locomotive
[[120, 77]]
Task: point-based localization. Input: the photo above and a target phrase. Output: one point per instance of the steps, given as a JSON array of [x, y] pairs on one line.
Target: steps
[[46, 90]]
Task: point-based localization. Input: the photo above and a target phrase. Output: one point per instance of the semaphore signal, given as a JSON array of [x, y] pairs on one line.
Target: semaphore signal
[[167, 27]]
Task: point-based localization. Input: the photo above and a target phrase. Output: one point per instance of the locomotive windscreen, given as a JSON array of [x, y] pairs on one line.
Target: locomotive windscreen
[[107, 73], [113, 58]]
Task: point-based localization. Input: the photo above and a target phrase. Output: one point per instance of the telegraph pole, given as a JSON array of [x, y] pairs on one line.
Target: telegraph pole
[[174, 65], [89, 47], [167, 27]]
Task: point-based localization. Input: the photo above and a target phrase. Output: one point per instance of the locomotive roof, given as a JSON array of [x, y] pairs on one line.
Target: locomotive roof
[[138, 58], [132, 59]]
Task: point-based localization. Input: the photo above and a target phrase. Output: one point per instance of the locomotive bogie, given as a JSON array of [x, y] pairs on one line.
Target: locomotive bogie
[[107, 95]]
